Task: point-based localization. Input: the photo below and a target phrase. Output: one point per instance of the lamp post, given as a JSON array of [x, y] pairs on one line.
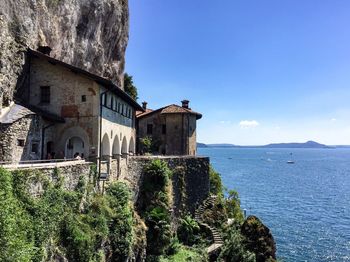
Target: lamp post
[[100, 136]]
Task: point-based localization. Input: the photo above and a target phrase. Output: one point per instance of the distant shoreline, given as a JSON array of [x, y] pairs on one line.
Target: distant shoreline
[[308, 144]]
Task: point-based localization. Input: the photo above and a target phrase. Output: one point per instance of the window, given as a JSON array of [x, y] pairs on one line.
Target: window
[[112, 102], [118, 107], [45, 94], [105, 99], [115, 106], [149, 129], [35, 147], [83, 98], [20, 142], [163, 129]]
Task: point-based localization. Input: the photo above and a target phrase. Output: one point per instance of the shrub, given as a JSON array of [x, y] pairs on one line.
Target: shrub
[[216, 187], [59, 223], [233, 206], [16, 231], [234, 249], [188, 230], [154, 204], [146, 145]]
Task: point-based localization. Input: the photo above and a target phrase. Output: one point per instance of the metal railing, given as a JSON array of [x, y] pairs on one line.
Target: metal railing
[[41, 163]]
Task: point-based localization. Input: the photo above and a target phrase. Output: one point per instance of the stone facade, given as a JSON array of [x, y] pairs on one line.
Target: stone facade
[[79, 98], [90, 34], [190, 180], [172, 129], [22, 139], [69, 173]]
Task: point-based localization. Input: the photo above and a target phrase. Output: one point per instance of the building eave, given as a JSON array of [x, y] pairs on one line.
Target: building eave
[[98, 79]]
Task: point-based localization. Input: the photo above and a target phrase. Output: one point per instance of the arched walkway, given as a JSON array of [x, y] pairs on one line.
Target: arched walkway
[[75, 145], [116, 147], [132, 146], [105, 147], [124, 146], [78, 141]]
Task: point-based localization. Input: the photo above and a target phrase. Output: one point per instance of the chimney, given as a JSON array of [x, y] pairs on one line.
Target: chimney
[[144, 105], [185, 103]]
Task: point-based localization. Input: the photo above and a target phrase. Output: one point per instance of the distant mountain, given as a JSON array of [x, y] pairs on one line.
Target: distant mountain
[[308, 144], [220, 145]]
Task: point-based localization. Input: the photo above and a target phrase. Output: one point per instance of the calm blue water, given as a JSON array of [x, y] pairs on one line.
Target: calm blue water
[[306, 205]]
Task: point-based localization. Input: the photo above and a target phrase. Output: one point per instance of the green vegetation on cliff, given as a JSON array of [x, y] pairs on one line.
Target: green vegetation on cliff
[[244, 240], [42, 221], [154, 207], [80, 226]]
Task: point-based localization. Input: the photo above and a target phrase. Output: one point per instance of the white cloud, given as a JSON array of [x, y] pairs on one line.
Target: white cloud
[[333, 119], [248, 124]]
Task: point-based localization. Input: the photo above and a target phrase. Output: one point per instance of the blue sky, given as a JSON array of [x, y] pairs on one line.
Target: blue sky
[[259, 71]]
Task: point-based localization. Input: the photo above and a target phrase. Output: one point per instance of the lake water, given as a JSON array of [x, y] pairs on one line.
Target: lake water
[[306, 205]]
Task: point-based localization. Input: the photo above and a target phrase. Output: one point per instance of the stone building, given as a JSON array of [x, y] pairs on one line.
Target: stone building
[[61, 110], [172, 129]]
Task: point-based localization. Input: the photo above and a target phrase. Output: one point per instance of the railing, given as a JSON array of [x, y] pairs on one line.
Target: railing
[[41, 163]]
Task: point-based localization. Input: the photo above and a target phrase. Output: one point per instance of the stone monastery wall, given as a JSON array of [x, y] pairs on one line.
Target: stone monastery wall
[[190, 179]]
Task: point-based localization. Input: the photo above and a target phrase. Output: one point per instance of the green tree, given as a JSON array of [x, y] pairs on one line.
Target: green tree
[[16, 232], [233, 206], [187, 230], [146, 145], [234, 249], [216, 187], [129, 86]]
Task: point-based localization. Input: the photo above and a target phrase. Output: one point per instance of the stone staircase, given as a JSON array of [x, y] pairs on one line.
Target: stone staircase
[[217, 239]]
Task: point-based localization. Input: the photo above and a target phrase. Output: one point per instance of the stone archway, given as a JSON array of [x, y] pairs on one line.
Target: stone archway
[[77, 132], [105, 147], [124, 146], [132, 146], [75, 146], [116, 147]]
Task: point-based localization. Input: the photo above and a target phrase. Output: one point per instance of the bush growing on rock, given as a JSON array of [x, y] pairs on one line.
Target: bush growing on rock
[[258, 239], [154, 204], [78, 225]]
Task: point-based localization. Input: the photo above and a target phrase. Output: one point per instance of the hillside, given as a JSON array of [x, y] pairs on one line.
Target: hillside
[[308, 144]]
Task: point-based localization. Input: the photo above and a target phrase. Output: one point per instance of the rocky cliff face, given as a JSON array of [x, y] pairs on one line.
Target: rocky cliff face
[[91, 34]]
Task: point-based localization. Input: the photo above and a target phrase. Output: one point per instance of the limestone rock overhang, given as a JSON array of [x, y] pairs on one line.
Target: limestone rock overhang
[[98, 79]]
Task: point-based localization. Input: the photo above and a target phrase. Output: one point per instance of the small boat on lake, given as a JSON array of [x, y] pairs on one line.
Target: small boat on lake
[[291, 161]]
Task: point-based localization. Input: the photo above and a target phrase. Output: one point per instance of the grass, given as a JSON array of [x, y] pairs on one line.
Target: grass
[[184, 254]]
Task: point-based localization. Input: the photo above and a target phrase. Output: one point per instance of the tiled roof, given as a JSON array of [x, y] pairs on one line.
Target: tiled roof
[[140, 113], [170, 109], [17, 111], [14, 113]]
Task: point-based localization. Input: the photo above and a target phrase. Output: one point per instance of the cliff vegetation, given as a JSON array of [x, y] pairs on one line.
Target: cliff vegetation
[[85, 225], [82, 225]]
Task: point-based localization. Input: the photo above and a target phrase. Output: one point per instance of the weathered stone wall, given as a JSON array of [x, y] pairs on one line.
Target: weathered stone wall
[[90, 34], [70, 175], [66, 92], [180, 136], [28, 129], [190, 179]]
